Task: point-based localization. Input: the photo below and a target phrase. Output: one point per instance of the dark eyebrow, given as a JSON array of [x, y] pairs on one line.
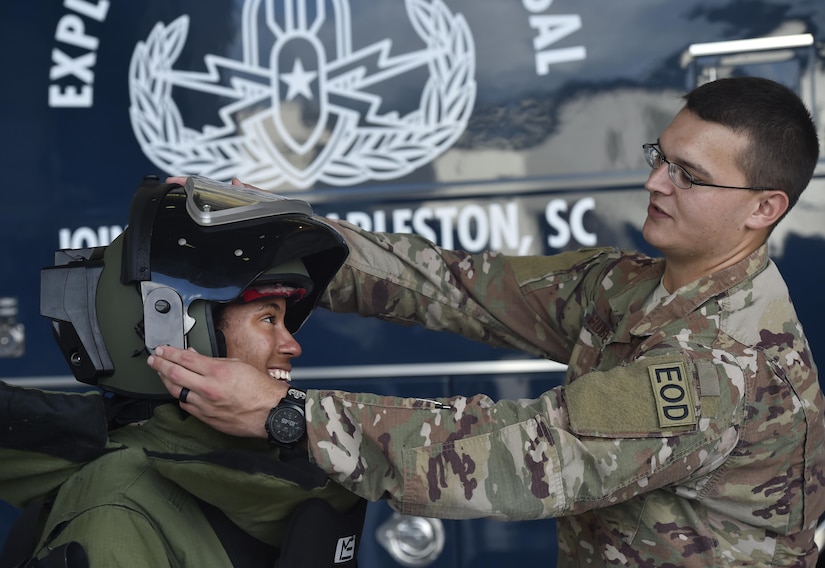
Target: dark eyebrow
[[700, 171], [266, 304]]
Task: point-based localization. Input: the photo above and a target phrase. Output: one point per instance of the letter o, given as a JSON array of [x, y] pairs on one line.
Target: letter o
[[665, 393]]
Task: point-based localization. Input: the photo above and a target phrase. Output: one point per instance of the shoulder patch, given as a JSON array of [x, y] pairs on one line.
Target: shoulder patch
[[650, 397], [671, 390]]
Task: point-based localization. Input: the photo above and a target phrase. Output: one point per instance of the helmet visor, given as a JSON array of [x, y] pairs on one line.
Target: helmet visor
[[209, 240], [211, 202]]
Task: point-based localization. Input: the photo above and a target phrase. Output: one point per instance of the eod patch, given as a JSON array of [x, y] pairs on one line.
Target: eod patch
[[671, 392]]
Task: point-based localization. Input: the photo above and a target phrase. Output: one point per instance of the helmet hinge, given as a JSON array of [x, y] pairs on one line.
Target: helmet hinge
[[164, 320]]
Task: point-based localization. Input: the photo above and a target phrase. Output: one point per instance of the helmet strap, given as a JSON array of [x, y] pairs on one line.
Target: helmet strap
[[220, 343]]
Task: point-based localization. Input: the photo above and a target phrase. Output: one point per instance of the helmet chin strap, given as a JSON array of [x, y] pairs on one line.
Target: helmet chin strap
[[220, 341]]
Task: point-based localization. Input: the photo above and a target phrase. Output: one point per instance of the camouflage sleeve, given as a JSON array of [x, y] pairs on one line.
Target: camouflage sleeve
[[605, 438], [487, 297]]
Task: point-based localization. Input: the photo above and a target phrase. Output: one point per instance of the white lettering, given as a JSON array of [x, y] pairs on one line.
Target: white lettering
[[105, 235], [536, 5], [553, 28], [380, 221], [505, 231], [524, 247], [577, 212], [80, 67], [94, 11], [69, 96], [71, 30], [445, 216], [550, 29], [504, 225], [473, 216], [472, 227], [401, 220], [574, 228], [87, 237], [83, 237], [114, 232], [475, 227], [544, 59], [420, 225], [64, 238], [552, 214]]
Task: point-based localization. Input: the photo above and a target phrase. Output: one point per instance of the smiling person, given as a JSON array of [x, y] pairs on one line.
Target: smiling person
[[689, 431], [159, 487]]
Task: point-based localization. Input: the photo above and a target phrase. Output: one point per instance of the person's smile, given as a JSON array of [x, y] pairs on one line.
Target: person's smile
[[280, 374]]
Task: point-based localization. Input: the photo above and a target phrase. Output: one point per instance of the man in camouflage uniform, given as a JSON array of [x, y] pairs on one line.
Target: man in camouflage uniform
[[690, 428]]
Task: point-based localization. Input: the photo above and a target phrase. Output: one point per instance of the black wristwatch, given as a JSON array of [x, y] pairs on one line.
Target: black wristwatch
[[286, 423]]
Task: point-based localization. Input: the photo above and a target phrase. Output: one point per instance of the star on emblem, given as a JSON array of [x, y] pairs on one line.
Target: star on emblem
[[298, 81]]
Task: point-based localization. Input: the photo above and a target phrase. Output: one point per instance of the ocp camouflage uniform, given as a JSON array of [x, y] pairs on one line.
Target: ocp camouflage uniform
[[690, 434]]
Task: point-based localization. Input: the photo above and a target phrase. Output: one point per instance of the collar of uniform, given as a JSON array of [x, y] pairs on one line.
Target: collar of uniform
[[689, 297]]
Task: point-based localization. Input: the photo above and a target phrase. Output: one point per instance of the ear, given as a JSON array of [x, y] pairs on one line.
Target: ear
[[769, 207]]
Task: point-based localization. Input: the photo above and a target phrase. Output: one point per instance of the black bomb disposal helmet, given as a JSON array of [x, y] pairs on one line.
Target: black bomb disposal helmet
[[186, 250]]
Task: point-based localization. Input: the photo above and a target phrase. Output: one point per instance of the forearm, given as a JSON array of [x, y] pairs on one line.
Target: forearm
[[442, 458], [406, 279], [594, 443]]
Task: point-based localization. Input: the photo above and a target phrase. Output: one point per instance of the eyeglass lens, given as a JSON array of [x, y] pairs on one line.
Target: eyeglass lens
[[677, 173]]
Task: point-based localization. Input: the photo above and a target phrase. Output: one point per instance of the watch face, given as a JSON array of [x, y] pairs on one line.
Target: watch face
[[286, 424]]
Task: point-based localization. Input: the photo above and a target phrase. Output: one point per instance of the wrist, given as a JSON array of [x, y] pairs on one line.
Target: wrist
[[286, 423]]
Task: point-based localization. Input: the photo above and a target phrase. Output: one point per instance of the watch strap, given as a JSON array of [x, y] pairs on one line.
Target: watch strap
[[295, 398]]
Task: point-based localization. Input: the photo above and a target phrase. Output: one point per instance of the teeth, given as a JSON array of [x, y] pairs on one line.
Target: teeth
[[280, 375]]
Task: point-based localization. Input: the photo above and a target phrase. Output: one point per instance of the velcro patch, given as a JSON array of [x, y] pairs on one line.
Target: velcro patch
[[672, 394], [622, 403]]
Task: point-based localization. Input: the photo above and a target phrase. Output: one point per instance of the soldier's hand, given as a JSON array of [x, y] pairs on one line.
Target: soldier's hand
[[228, 394]]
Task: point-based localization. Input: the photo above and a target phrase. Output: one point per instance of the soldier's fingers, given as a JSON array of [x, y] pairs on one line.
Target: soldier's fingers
[[177, 380], [236, 181], [187, 358], [169, 364]]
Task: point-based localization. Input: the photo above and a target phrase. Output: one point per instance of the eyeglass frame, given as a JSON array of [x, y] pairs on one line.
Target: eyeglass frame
[[672, 168]]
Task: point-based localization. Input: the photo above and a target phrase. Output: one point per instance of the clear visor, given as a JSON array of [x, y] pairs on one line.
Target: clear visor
[[211, 202]]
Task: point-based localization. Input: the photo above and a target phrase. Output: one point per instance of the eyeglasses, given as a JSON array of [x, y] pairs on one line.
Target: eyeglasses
[[680, 177]]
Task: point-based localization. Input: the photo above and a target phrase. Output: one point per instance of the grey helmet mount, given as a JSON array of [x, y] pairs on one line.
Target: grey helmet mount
[[185, 250]]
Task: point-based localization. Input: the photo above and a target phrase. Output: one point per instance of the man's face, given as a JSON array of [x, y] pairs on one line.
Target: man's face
[[703, 226], [255, 333]]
